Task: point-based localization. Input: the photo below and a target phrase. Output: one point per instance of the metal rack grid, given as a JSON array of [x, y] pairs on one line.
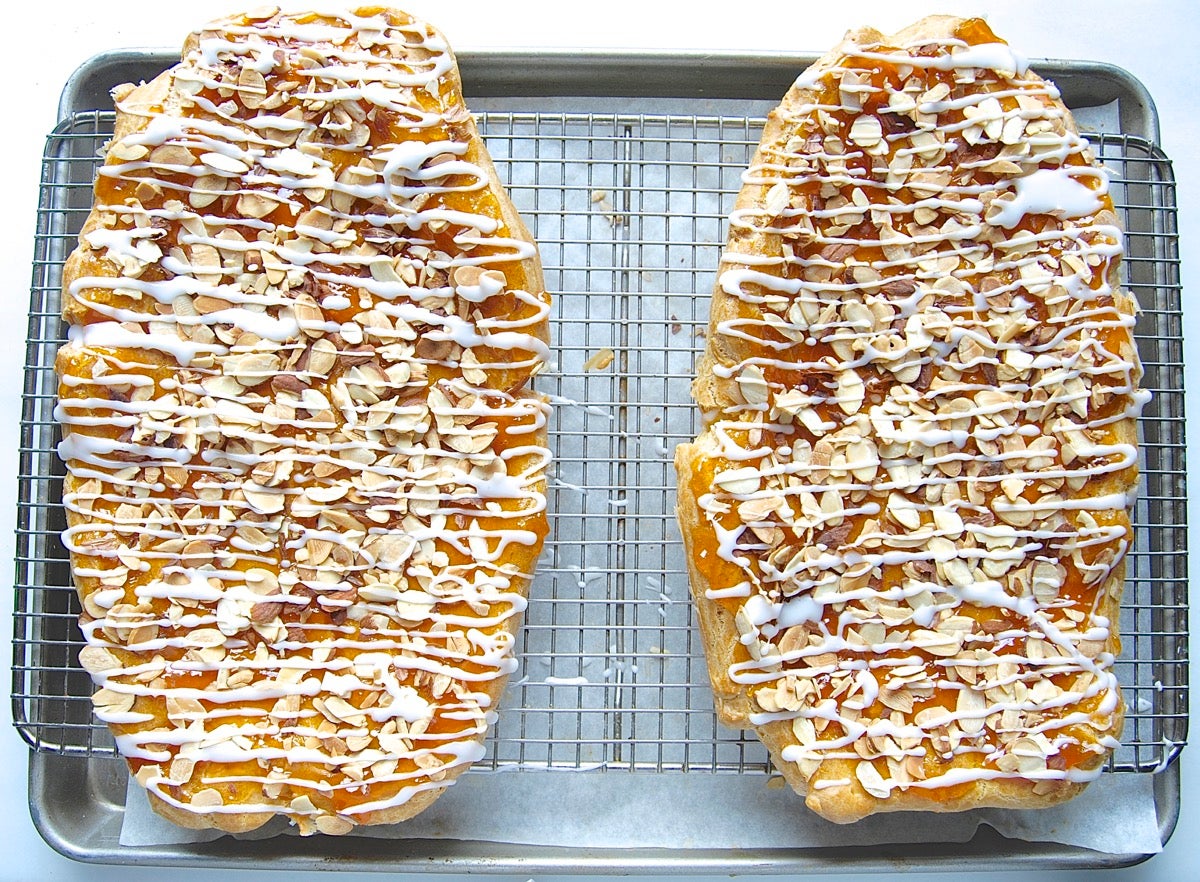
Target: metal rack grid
[[629, 214]]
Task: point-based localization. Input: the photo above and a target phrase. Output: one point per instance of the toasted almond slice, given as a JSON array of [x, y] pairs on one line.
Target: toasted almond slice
[[98, 660], [207, 798], [870, 779], [753, 385], [207, 189], [266, 500], [739, 481]]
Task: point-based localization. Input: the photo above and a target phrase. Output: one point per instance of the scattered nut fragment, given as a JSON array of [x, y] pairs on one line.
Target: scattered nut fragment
[[599, 360], [601, 201]]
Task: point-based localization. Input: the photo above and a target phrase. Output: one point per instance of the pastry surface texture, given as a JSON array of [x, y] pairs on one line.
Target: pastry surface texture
[[907, 512], [306, 475]]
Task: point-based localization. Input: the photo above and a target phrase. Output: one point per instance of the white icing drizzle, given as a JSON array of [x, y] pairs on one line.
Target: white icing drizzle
[[921, 383], [305, 482]]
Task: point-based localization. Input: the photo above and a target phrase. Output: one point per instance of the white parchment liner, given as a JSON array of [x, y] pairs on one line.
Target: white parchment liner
[[1115, 815]]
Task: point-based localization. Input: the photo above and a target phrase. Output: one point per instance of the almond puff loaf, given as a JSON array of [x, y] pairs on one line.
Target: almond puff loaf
[[907, 511], [306, 475]]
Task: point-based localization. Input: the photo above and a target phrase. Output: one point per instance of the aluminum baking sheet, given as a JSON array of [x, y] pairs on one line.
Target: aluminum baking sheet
[[625, 166]]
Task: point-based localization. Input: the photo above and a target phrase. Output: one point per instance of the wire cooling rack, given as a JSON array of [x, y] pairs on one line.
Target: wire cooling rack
[[629, 215]]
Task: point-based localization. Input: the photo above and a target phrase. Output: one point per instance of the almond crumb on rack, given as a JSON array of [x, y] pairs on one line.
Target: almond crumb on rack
[[601, 201], [599, 360]]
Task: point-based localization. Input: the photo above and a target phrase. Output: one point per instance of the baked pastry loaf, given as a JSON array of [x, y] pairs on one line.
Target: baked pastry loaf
[[907, 511], [305, 485]]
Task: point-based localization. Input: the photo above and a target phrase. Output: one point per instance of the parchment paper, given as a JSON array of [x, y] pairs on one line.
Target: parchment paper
[[1115, 815]]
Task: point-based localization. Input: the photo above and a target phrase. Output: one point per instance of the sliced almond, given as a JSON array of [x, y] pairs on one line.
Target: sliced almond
[[322, 357], [98, 660], [753, 385], [206, 798], [870, 779], [265, 500], [207, 190]]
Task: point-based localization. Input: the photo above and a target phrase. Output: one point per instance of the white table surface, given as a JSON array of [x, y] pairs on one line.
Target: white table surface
[[1156, 41]]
